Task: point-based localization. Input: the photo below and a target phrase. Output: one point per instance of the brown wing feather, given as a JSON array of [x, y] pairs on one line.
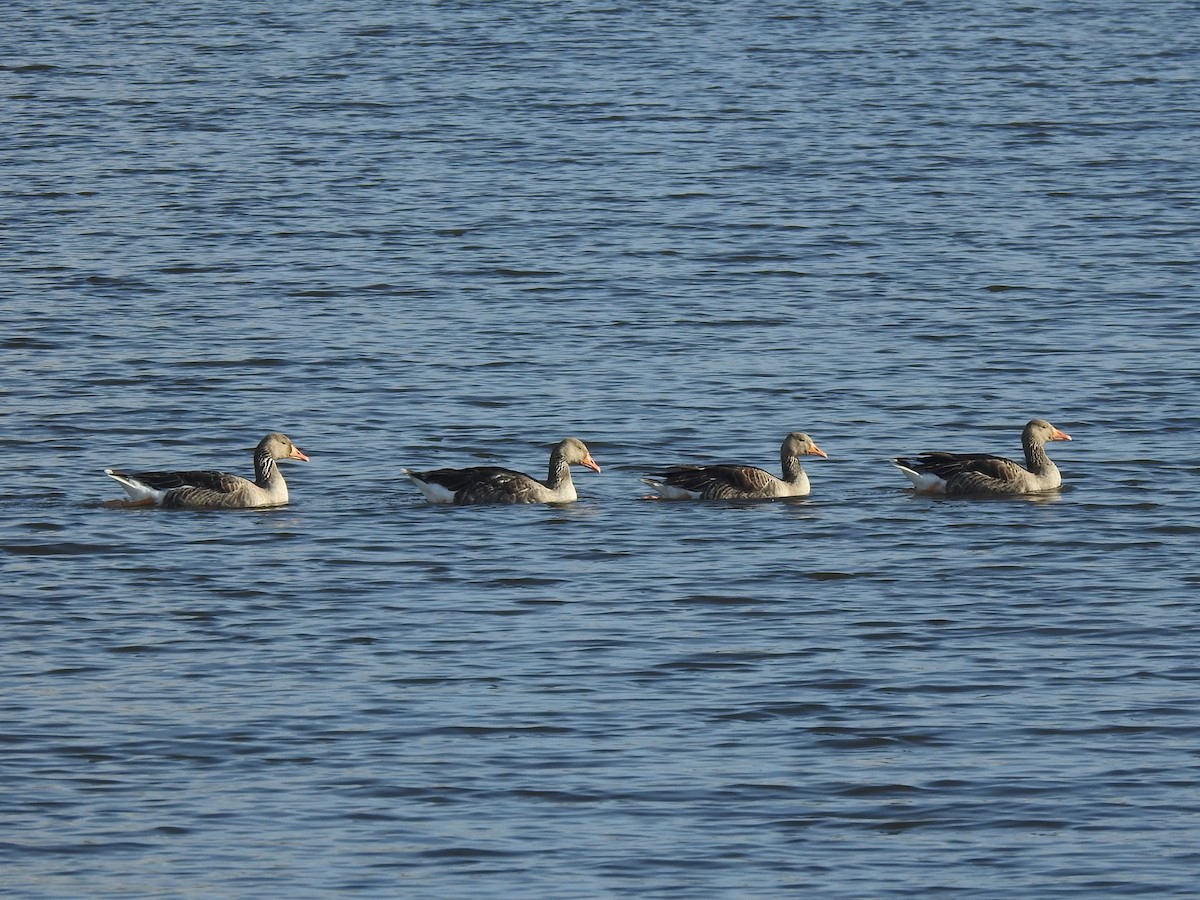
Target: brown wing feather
[[220, 482], [949, 465], [484, 484], [719, 482], [996, 467], [970, 473], [203, 498]]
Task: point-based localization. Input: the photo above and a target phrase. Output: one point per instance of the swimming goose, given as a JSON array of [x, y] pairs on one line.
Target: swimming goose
[[215, 490], [738, 482], [491, 484], [959, 474]]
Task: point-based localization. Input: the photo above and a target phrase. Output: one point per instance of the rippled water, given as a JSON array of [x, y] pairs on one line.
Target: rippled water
[[453, 233]]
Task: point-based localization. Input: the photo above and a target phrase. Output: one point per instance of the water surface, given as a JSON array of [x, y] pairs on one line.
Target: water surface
[[452, 234]]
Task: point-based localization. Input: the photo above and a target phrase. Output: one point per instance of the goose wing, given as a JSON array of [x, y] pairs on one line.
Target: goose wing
[[196, 489], [217, 482], [485, 484], [948, 465], [717, 482]]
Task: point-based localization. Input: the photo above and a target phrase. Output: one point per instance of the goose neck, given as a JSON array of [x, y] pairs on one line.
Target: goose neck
[[559, 473], [1036, 459], [792, 470], [265, 470]]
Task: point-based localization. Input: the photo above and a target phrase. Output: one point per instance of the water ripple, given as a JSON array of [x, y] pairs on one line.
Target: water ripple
[[421, 235]]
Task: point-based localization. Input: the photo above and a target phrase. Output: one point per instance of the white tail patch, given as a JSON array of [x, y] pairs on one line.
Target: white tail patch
[[433, 492], [922, 482], [134, 488], [668, 492]]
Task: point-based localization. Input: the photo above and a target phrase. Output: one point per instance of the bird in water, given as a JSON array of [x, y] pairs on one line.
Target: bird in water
[[729, 481], [982, 474], [214, 490], [492, 484]]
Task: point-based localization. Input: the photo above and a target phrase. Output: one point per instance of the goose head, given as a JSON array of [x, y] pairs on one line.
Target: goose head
[[1040, 431], [800, 444], [575, 453], [280, 446]]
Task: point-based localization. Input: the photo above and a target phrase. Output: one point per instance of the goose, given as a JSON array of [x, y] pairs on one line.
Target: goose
[[738, 482], [215, 490], [959, 474], [492, 484]]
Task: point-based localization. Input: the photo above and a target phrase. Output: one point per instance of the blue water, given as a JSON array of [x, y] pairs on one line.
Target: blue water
[[432, 234]]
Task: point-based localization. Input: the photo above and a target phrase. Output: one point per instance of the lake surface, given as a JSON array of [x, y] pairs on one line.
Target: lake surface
[[433, 234]]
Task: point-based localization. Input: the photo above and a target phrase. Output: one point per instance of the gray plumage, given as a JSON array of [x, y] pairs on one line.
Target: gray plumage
[[982, 474], [734, 481], [493, 484], [216, 490]]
